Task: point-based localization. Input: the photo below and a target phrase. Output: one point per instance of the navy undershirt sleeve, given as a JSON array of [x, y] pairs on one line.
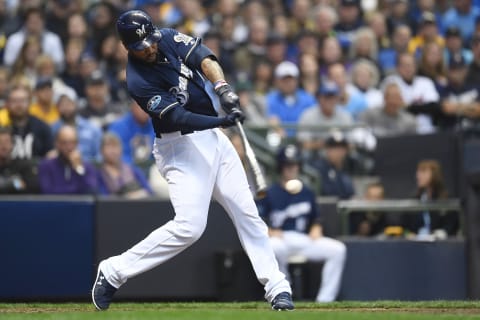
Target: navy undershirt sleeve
[[187, 120]]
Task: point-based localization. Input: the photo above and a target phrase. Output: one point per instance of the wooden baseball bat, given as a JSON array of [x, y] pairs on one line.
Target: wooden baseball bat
[[252, 163]]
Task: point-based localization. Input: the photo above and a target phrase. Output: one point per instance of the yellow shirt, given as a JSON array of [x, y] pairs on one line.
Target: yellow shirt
[[4, 118], [416, 44], [50, 117]]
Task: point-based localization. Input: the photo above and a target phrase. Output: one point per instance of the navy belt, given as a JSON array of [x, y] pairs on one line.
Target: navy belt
[[182, 132]]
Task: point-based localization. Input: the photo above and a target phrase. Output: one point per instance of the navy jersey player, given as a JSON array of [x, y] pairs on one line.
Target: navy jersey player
[[179, 83], [291, 212]]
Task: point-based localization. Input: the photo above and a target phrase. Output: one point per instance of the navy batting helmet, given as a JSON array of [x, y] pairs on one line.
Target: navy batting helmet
[[136, 30], [289, 154]]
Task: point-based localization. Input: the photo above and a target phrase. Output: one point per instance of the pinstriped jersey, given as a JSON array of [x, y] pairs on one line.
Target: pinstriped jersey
[[174, 79]]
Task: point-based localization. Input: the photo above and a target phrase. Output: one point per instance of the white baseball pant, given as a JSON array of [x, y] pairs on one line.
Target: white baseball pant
[[331, 251], [198, 166]]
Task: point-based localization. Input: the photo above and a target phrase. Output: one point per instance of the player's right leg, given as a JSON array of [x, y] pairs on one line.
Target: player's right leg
[[190, 178]]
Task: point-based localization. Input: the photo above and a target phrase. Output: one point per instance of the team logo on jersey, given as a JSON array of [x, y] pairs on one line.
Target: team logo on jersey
[[180, 37], [154, 103], [141, 31]]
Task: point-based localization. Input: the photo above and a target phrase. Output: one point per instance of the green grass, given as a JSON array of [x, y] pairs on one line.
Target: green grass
[[391, 310]]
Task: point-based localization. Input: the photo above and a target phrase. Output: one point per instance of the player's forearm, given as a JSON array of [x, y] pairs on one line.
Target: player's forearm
[[212, 70], [192, 121]]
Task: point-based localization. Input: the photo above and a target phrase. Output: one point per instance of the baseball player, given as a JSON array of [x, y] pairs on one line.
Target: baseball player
[[291, 213], [179, 83]]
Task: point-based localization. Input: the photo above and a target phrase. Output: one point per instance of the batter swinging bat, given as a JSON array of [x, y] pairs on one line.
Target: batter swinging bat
[[259, 179]]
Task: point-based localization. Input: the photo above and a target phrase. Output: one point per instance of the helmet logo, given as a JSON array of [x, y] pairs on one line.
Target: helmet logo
[[141, 31]]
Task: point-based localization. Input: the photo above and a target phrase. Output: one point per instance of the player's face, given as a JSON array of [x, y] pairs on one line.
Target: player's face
[[149, 54]]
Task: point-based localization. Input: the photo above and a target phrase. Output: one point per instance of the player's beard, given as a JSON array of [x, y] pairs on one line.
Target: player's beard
[[151, 58]]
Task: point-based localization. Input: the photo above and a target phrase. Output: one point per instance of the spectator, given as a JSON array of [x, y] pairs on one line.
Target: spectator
[[365, 78], [432, 65], [286, 103], [135, 133], [101, 17], [24, 64], [300, 19], [334, 180], [388, 57], [256, 46], [293, 218], [43, 106], [116, 177], [326, 113], [67, 172], [276, 48], [262, 78], [431, 187], [77, 28], [253, 107], [34, 26], [213, 40], [460, 100], [463, 15], [454, 45], [45, 68], [368, 224], [4, 80], [325, 18], [427, 32], [351, 100], [32, 137], [89, 135], [364, 46], [16, 176], [398, 14], [71, 73], [330, 53], [309, 73], [98, 108], [391, 119], [378, 23], [418, 93], [350, 18], [473, 75], [56, 19]]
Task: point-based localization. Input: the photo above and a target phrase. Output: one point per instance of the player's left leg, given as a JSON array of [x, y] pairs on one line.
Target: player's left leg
[[333, 253], [232, 192]]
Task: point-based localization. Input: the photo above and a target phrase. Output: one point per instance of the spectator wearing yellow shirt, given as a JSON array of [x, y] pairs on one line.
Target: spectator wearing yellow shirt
[[44, 107], [427, 32]]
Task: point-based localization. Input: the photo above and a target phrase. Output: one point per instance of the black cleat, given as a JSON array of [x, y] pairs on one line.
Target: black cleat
[[283, 302], [102, 292]]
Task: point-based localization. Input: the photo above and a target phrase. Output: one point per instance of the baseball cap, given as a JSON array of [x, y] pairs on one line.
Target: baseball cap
[[336, 138], [453, 31], [43, 82], [456, 61], [96, 78], [428, 17], [328, 88], [286, 69]]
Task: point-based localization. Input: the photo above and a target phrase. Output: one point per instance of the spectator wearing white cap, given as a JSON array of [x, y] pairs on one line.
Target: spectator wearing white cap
[[286, 102]]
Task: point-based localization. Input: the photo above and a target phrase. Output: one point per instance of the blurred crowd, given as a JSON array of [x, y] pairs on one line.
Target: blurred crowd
[[302, 68]]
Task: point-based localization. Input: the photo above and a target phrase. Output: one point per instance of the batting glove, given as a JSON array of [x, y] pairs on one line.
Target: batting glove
[[232, 118], [228, 99]]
